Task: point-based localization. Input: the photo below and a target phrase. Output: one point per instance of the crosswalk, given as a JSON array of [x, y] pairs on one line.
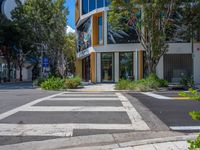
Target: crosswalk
[[61, 114]]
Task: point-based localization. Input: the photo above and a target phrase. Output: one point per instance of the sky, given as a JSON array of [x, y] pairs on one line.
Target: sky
[[70, 4]]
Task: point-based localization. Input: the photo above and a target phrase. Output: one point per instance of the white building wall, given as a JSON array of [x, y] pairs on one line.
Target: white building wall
[[26, 74], [197, 63], [182, 48], [98, 67], [116, 65]]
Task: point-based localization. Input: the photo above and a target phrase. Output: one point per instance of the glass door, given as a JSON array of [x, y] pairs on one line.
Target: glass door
[[107, 67]]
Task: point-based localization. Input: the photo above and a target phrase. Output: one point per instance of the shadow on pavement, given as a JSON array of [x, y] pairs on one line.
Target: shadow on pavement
[[16, 86]]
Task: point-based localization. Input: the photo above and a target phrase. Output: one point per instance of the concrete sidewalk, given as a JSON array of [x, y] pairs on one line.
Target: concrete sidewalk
[[90, 87], [125, 141], [179, 145]]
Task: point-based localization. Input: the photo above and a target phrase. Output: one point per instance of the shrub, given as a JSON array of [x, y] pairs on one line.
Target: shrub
[[53, 83], [152, 82], [194, 144], [193, 95], [187, 81], [123, 84], [72, 83], [39, 81]]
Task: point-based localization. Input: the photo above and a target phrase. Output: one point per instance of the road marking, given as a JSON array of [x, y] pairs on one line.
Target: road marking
[[84, 99], [13, 111], [88, 95], [134, 116], [182, 128], [73, 109], [59, 129], [181, 98], [155, 95]]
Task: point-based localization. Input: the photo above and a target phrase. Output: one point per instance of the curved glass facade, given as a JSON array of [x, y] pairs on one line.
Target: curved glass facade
[[90, 5]]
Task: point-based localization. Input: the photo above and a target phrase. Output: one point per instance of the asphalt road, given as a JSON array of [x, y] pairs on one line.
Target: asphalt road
[[28, 114], [173, 112], [13, 95], [31, 115]]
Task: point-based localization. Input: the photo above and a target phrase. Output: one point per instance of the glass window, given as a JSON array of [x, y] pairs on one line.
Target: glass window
[[121, 36], [126, 65], [107, 67], [92, 5], [84, 7], [100, 3], [107, 2], [100, 30]]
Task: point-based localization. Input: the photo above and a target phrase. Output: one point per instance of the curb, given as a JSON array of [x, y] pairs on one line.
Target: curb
[[92, 142]]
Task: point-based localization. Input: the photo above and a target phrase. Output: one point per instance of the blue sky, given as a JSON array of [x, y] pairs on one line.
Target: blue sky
[[71, 6]]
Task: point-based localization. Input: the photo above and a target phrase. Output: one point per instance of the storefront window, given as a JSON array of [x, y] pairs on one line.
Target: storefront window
[[107, 67], [92, 5], [100, 30], [126, 65], [100, 3], [84, 7]]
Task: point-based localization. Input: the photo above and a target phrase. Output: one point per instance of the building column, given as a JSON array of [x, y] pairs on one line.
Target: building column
[[141, 64], [116, 62], [93, 67], [98, 67], [135, 64], [196, 62], [160, 68]]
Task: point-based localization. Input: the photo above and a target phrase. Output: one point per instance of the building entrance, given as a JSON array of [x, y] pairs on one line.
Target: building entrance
[[107, 67], [86, 69]]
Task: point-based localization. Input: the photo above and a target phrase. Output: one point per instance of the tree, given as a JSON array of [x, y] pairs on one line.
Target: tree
[[151, 21], [7, 41], [42, 24], [70, 52]]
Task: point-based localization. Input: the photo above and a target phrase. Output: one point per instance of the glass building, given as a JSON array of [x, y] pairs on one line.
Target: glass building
[[105, 54]]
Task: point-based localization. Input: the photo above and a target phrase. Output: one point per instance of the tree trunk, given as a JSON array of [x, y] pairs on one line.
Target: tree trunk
[[151, 67], [9, 71], [20, 73]]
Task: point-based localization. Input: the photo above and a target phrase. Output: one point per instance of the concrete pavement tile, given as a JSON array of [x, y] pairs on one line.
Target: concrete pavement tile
[[107, 147], [165, 146], [125, 148], [145, 147], [57, 144], [182, 145]]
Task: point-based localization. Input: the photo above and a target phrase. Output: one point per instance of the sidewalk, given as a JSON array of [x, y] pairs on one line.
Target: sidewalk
[[163, 140], [179, 145], [90, 87]]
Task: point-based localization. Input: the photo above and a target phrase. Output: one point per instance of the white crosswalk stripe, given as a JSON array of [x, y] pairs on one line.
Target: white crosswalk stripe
[[67, 129], [78, 108]]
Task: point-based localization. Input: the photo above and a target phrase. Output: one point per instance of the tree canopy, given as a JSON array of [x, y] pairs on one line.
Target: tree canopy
[[153, 22]]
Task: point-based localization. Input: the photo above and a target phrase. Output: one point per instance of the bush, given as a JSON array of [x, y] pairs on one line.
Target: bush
[[193, 95], [53, 83], [72, 83], [39, 81], [187, 81], [123, 84], [194, 144], [152, 82]]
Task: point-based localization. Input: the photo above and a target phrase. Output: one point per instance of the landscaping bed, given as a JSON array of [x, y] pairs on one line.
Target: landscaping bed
[[58, 83]]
